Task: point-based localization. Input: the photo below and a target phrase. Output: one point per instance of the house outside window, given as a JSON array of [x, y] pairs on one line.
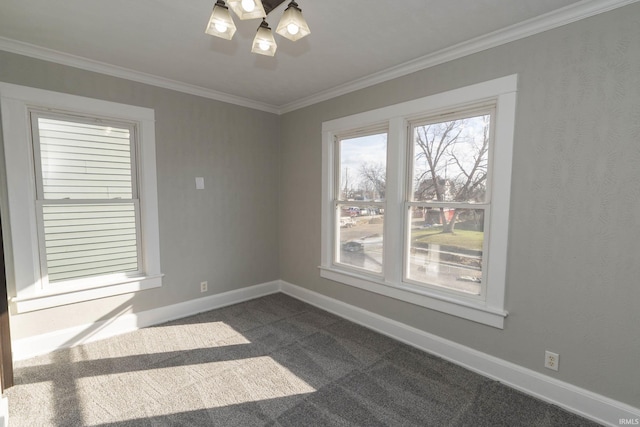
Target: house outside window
[[82, 198], [439, 234]]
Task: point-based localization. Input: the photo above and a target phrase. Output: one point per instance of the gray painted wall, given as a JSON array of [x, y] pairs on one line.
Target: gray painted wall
[[574, 244], [226, 234], [575, 220]]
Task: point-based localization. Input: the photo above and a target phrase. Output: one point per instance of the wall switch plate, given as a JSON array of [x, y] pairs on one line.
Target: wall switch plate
[[204, 286], [551, 360], [199, 183]]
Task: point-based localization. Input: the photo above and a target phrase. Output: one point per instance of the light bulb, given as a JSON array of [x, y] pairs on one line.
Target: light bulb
[[248, 5], [264, 45], [293, 29], [221, 28]]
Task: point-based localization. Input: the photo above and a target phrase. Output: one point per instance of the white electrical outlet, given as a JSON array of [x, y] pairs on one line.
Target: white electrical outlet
[[551, 360], [204, 286]]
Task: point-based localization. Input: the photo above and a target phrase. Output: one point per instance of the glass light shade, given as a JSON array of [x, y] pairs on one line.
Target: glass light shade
[[220, 23], [243, 9], [264, 43], [292, 25]]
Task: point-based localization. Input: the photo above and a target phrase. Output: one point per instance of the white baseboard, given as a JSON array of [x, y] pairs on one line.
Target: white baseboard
[[574, 399], [41, 344]]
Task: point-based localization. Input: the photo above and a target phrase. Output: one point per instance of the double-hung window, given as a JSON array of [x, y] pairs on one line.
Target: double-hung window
[[360, 200], [449, 200], [86, 198], [416, 200], [82, 198]]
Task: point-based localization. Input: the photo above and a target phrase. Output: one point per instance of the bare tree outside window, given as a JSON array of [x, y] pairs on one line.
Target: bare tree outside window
[[449, 198], [374, 175], [450, 164]]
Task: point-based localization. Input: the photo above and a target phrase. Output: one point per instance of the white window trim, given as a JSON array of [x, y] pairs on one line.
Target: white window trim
[[20, 230], [490, 311]]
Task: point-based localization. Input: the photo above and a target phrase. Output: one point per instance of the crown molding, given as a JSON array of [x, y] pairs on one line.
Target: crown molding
[[572, 13], [37, 52], [548, 21]]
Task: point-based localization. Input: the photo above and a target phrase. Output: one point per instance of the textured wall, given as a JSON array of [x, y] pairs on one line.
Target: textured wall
[[574, 244], [225, 234], [575, 220]]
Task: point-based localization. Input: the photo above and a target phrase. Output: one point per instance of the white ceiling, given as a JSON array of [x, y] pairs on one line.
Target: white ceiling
[[350, 40]]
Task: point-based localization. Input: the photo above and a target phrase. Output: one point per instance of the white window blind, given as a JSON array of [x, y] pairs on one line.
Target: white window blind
[[86, 197]]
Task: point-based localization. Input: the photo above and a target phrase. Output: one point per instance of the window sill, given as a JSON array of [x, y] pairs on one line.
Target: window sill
[[43, 300], [469, 310]]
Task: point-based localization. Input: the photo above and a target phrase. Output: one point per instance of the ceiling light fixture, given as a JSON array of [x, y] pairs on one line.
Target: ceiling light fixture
[[264, 43], [220, 23], [292, 25], [247, 9]]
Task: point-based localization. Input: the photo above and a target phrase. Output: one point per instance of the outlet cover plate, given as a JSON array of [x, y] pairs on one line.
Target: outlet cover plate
[[551, 360]]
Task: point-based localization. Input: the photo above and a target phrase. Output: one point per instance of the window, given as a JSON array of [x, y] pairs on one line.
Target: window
[[86, 197], [81, 191], [359, 203], [449, 196], [416, 200]]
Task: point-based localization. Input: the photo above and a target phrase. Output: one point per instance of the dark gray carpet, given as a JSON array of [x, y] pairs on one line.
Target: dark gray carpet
[[274, 361]]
